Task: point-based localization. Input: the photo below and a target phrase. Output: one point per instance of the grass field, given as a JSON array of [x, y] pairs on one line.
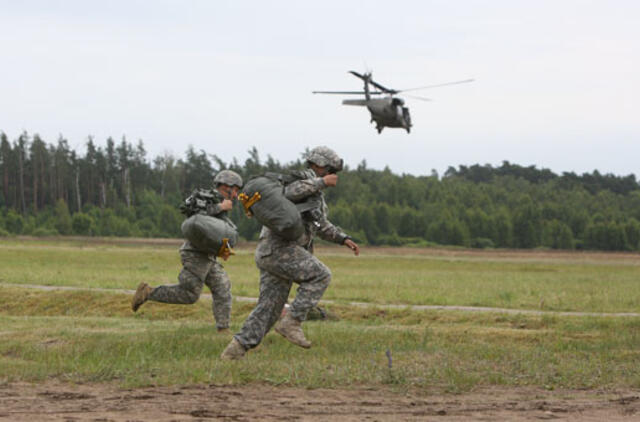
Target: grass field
[[561, 282], [89, 335]]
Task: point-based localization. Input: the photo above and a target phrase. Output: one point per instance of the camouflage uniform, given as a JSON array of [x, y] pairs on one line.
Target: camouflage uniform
[[282, 262], [200, 268]]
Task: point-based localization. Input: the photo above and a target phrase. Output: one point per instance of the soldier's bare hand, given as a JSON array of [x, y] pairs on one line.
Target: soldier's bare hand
[[226, 205], [330, 179], [353, 246]]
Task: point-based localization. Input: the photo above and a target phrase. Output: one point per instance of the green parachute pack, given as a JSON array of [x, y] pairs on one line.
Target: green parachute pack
[[263, 198], [209, 234]]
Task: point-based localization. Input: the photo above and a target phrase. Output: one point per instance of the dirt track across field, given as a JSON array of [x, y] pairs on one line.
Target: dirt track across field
[[364, 304], [54, 401]]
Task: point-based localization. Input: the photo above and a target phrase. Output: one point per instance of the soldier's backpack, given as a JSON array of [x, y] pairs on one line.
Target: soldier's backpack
[[210, 234], [263, 197]]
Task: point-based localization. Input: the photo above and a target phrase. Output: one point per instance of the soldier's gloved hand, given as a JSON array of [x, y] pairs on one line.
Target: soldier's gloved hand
[[226, 205], [353, 246], [330, 180]]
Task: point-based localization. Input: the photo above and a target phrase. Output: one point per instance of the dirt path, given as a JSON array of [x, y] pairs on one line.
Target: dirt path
[[366, 305], [53, 401]]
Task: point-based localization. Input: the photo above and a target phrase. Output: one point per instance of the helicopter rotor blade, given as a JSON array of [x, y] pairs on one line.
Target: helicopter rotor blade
[[356, 74], [347, 92], [338, 92], [417, 97], [367, 78], [383, 88], [437, 85]]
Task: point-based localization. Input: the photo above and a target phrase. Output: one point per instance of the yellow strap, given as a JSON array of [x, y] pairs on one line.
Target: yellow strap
[[248, 202], [225, 248]]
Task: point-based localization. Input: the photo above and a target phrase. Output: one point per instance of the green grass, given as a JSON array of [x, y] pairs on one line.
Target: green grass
[[84, 335], [563, 284], [89, 336]]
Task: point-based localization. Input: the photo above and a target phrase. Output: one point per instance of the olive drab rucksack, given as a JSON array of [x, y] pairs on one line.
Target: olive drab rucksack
[[263, 198], [213, 235], [210, 234]]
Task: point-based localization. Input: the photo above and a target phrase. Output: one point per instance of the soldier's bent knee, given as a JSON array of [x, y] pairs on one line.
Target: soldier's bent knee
[[325, 275]]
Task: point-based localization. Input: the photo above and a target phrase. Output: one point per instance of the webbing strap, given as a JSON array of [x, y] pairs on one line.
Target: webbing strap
[[248, 202], [225, 248]]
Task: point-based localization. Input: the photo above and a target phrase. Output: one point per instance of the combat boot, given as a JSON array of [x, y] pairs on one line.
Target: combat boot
[[233, 351], [291, 329], [141, 295]]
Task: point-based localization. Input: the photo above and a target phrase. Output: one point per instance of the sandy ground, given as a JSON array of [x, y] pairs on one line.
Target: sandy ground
[[54, 401]]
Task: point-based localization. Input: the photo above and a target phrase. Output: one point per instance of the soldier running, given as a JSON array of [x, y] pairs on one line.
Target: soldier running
[[282, 262], [200, 267]]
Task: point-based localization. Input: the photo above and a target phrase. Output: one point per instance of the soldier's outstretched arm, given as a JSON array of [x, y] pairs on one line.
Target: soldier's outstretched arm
[[327, 231]]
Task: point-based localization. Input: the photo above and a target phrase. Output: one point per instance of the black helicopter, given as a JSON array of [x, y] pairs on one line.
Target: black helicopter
[[388, 111]]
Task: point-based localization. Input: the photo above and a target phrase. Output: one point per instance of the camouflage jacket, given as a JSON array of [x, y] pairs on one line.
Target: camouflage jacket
[[311, 186]]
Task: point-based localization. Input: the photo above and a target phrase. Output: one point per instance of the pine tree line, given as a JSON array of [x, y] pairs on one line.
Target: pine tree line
[[116, 190]]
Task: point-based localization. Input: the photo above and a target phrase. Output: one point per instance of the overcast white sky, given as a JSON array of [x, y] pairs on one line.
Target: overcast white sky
[[557, 82]]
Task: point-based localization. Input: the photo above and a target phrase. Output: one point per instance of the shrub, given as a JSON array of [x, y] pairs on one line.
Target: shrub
[[146, 227], [82, 223], [29, 224], [63, 218], [482, 243], [44, 232], [14, 223], [169, 221], [390, 240], [120, 227]]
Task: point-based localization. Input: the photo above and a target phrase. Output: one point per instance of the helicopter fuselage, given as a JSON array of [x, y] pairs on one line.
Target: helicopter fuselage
[[389, 112], [386, 112]]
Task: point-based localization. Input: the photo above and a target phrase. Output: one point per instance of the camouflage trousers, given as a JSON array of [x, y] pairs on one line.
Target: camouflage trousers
[[281, 264], [199, 269]]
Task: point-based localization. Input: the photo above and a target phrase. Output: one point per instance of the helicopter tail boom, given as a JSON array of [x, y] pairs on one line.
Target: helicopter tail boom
[[362, 103]]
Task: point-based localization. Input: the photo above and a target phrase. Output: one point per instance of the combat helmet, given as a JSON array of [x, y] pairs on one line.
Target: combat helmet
[[228, 177], [325, 157]]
